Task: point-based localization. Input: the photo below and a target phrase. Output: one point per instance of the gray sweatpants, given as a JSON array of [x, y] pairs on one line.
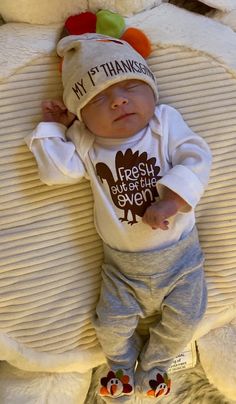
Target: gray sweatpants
[[168, 284]]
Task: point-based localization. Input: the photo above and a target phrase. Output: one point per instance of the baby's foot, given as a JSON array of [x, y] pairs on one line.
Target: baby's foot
[[116, 384], [160, 386], [152, 384]]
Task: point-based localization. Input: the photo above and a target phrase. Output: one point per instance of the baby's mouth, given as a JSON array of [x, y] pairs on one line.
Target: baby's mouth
[[123, 116]]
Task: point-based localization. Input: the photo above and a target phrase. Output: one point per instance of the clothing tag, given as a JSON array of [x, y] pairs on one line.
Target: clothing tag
[[185, 360]]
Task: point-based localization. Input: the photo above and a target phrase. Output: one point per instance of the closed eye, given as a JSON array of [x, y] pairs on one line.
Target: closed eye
[[133, 86], [97, 100]]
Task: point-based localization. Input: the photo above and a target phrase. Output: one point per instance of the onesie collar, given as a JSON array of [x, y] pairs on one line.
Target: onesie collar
[[154, 123], [117, 141]]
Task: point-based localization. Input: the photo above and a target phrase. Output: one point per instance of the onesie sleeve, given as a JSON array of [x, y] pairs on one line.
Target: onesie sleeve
[[56, 157], [188, 156]]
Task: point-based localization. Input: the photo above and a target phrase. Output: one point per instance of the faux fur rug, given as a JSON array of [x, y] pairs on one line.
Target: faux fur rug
[[188, 387]]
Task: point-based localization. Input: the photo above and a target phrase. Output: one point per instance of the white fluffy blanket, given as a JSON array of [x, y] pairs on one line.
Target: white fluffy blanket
[[175, 26]]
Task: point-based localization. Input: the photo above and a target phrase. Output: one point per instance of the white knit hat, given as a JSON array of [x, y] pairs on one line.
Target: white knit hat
[[93, 62]]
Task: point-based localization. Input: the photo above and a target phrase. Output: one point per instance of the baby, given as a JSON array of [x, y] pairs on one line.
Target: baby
[[148, 171]]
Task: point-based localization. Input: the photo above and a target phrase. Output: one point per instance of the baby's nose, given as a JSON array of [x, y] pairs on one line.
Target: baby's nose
[[118, 101]]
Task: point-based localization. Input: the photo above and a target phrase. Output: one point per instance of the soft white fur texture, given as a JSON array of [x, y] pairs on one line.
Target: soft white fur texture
[[55, 11], [124, 7], [224, 5], [193, 386], [19, 387], [50, 12], [226, 18], [40, 12], [32, 41], [217, 352], [37, 40], [198, 32]]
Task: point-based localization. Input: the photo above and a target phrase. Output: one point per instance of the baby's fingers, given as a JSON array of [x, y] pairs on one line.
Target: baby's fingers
[[53, 106], [60, 104], [163, 225], [155, 217]]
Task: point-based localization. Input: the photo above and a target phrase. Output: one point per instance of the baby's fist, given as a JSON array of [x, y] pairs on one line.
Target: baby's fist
[[56, 111], [157, 214]]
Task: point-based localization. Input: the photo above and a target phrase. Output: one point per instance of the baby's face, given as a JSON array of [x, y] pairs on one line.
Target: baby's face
[[120, 110]]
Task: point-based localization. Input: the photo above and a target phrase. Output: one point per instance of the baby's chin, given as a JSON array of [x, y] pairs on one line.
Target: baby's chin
[[127, 127]]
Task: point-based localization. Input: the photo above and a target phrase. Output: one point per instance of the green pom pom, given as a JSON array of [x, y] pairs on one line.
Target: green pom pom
[[110, 24], [119, 374]]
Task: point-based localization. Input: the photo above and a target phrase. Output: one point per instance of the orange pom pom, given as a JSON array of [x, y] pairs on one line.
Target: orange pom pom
[[138, 40], [104, 391]]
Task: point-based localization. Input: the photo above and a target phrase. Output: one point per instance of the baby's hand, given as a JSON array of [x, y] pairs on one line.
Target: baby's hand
[[157, 214], [170, 204], [56, 111]]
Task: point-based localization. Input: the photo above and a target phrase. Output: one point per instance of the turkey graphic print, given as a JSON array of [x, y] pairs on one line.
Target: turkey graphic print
[[134, 188]]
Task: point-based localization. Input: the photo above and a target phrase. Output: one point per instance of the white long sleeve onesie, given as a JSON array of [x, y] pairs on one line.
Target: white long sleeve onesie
[[128, 174]]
